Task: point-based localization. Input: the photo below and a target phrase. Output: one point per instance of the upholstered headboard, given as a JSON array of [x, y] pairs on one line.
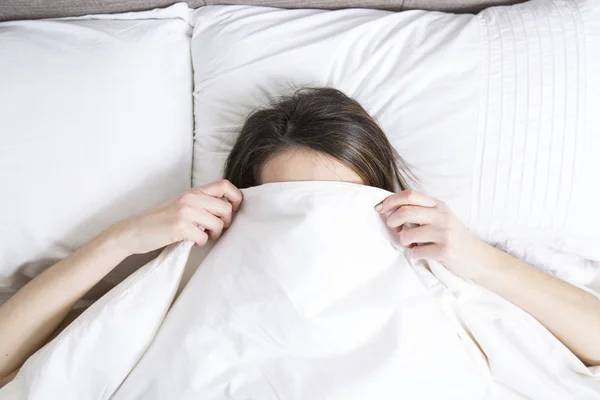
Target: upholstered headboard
[[34, 9]]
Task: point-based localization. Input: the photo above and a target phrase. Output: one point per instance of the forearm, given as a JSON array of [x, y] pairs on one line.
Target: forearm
[[571, 314], [29, 317]]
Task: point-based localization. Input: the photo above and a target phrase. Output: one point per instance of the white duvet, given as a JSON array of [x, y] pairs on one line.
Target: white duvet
[[306, 296]]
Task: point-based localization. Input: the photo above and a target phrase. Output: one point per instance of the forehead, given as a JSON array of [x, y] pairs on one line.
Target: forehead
[[305, 165]]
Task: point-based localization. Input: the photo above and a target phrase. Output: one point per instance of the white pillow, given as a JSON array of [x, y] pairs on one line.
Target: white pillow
[[494, 111], [95, 125]]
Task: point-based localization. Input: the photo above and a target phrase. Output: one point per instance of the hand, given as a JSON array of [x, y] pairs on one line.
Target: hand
[[209, 207], [439, 235]]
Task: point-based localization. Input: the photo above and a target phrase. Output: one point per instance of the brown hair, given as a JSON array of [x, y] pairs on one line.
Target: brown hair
[[323, 120]]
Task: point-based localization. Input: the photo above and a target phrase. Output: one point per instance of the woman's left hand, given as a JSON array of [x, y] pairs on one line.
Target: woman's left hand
[[567, 311], [439, 235]]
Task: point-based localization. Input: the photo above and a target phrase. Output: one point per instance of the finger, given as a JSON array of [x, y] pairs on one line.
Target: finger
[[224, 188], [212, 225], [219, 208], [405, 197], [201, 201], [419, 234], [415, 214], [196, 235], [186, 215], [428, 251]]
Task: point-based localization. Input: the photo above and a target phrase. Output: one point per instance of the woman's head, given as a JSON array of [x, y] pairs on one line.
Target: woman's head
[[315, 134]]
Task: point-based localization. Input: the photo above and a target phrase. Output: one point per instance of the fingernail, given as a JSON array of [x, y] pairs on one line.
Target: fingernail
[[379, 207]]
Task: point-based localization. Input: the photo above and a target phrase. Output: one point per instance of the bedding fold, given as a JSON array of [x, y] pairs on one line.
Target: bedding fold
[[308, 295]]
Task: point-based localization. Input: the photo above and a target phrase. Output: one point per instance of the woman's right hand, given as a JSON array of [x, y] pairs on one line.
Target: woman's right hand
[[209, 207]]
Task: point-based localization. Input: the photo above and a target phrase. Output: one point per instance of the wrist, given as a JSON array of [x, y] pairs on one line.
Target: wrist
[[111, 242], [489, 260]]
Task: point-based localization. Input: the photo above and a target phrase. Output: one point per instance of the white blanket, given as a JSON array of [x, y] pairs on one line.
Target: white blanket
[[309, 296]]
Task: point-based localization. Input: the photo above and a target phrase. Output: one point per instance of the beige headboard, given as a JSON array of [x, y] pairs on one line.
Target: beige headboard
[[34, 9]]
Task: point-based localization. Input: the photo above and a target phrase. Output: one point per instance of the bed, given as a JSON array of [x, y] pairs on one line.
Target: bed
[[145, 103]]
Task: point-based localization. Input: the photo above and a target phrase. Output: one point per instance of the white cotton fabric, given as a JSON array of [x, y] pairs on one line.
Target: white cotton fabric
[[307, 295], [92, 356], [177, 10], [95, 126], [495, 111], [535, 185]]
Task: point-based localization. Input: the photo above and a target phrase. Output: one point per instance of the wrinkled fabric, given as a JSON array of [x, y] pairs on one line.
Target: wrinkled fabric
[[90, 358], [308, 295]]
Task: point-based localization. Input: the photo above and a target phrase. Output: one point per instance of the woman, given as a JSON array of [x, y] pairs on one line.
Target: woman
[[315, 134]]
